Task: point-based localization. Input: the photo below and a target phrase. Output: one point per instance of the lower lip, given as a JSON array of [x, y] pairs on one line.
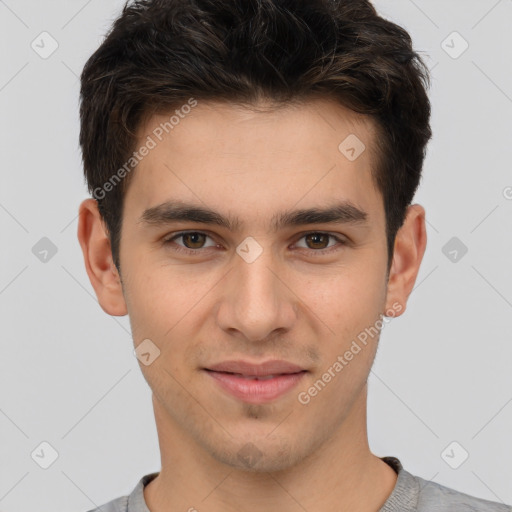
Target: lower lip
[[256, 391]]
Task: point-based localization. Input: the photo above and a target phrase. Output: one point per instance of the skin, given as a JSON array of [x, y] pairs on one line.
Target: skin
[[292, 303]]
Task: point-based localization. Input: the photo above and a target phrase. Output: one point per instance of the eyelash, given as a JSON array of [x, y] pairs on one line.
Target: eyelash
[[168, 241]]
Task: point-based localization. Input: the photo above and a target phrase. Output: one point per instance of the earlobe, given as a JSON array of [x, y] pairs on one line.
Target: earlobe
[[99, 264], [409, 248]]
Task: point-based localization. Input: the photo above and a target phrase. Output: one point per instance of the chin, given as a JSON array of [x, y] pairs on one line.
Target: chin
[[258, 456]]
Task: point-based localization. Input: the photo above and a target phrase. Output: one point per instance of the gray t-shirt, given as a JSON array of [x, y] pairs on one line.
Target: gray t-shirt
[[411, 494]]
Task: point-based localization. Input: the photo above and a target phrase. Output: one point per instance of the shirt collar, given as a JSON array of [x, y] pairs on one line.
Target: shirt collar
[[136, 502], [404, 497]]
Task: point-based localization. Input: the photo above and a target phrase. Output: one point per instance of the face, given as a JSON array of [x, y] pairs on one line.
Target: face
[[267, 282]]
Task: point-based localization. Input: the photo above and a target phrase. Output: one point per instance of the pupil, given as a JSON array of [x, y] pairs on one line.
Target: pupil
[[193, 235], [316, 236]]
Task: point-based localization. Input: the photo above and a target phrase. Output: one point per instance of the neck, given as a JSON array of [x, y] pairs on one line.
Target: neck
[[341, 474]]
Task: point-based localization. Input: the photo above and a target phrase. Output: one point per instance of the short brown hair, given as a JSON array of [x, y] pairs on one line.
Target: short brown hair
[[160, 53]]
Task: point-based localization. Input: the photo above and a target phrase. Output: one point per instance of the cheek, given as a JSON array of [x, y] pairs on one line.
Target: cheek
[[345, 299], [154, 304], [167, 306]]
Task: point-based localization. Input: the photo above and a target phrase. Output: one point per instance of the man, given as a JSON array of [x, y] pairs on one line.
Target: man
[[252, 166]]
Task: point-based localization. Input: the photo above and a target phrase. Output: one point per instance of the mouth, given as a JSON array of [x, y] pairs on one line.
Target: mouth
[[254, 377], [267, 368], [256, 383]]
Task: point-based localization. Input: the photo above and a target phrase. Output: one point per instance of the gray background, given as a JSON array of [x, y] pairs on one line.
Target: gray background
[[67, 371]]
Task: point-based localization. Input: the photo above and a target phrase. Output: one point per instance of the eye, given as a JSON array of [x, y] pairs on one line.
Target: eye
[[317, 242], [193, 241]]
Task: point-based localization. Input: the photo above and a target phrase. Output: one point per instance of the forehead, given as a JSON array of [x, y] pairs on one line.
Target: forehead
[[229, 157], [231, 129]]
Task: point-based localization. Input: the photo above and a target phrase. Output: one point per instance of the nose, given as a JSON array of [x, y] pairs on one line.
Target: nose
[[257, 299]]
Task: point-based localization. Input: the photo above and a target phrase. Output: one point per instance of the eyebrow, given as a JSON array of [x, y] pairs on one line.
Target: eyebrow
[[175, 211]]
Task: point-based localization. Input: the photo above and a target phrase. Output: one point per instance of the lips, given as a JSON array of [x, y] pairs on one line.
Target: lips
[[256, 383], [268, 368]]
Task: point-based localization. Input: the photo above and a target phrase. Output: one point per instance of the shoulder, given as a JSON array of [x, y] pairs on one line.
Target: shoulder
[[117, 505], [415, 494], [434, 497], [134, 502]]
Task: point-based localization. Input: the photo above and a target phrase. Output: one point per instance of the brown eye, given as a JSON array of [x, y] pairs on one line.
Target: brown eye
[[318, 240], [318, 243], [193, 240]]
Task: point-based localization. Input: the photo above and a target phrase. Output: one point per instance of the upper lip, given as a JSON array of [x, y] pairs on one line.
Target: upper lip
[[272, 367]]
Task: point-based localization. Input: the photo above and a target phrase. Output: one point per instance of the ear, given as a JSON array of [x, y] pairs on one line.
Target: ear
[[410, 243], [99, 263]]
